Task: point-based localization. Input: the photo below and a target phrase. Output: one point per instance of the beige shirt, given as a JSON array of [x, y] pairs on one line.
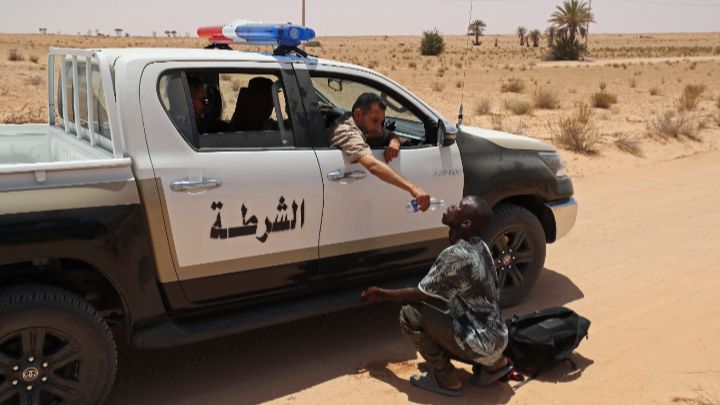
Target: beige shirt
[[346, 135]]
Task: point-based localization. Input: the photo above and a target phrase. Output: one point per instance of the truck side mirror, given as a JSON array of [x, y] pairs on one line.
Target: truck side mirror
[[445, 136]]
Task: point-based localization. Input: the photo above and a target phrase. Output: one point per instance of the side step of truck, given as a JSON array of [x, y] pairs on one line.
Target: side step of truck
[[175, 333]]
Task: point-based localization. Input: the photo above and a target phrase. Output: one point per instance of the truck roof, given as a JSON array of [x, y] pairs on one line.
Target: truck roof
[[152, 54]]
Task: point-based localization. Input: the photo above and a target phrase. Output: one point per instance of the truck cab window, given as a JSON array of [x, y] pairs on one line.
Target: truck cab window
[[337, 95], [228, 109]]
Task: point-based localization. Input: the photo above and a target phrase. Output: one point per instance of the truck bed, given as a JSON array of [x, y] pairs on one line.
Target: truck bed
[[38, 157], [41, 143]]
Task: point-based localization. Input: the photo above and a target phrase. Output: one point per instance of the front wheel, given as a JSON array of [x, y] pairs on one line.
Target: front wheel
[[54, 348], [517, 242]]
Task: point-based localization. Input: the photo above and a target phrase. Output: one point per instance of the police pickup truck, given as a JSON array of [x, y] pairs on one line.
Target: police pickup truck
[[120, 212]]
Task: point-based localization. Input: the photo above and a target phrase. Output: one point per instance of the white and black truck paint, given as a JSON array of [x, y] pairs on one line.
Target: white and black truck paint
[[118, 211]]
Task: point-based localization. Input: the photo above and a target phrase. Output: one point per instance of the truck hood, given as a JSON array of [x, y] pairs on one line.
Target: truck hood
[[508, 141]]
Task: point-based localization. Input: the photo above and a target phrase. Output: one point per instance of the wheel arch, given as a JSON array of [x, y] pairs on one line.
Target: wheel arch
[[78, 275], [537, 206]]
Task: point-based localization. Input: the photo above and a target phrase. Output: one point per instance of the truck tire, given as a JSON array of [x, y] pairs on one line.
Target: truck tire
[[54, 348], [517, 242]]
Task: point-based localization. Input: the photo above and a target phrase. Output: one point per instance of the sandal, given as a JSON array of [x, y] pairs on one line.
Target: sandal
[[481, 377], [427, 381]]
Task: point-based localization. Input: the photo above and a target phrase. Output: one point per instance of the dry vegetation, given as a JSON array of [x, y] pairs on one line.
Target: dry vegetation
[[671, 125], [604, 99], [577, 131], [507, 87]]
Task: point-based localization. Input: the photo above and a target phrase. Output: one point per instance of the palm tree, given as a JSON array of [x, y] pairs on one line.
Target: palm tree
[[550, 34], [535, 35], [572, 18], [476, 28], [521, 31]]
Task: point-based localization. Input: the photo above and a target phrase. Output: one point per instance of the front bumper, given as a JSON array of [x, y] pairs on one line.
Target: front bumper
[[564, 212]]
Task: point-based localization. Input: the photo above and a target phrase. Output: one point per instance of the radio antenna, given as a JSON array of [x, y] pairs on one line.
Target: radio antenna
[[467, 49]]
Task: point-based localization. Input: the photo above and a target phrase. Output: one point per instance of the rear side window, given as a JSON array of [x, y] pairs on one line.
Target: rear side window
[[227, 109], [174, 100]]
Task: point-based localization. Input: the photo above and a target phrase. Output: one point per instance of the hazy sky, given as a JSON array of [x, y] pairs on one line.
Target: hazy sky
[[359, 17]]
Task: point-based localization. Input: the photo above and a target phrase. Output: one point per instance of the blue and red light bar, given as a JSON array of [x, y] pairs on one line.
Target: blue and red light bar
[[256, 33]]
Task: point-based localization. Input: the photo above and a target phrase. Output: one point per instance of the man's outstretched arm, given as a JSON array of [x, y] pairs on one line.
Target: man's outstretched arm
[[388, 175], [402, 296]]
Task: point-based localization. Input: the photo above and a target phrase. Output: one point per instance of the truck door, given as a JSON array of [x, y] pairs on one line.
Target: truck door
[[242, 193], [367, 233]]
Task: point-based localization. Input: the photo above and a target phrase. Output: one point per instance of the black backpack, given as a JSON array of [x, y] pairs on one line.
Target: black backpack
[[544, 338]]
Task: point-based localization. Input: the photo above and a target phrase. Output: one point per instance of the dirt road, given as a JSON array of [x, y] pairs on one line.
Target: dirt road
[[643, 263]]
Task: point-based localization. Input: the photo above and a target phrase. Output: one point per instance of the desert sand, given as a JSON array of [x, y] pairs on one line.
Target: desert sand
[[641, 263]]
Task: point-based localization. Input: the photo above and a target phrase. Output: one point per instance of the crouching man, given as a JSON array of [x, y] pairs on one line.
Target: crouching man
[[454, 313]]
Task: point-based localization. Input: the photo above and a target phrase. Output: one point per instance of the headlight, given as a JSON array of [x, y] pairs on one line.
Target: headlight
[[554, 162]]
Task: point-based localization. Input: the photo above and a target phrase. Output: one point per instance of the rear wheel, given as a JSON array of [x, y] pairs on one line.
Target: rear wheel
[[54, 348], [517, 242]]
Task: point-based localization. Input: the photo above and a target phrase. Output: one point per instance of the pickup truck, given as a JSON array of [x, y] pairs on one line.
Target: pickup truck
[[122, 212]]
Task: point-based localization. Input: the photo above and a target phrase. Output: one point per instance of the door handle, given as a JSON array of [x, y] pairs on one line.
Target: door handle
[[195, 185], [346, 177]]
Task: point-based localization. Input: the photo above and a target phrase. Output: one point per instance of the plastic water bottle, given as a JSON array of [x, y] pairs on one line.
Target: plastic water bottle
[[435, 204]]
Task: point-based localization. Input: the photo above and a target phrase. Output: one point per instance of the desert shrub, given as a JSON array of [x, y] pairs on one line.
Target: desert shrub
[[437, 86], [520, 127], [654, 91], [716, 118], [633, 83], [603, 86], [432, 43], [628, 144], [26, 115], [497, 122], [373, 64], [717, 102], [565, 49], [34, 59], [440, 72], [576, 132], [519, 107], [513, 85], [15, 56], [313, 44], [34, 80], [412, 65], [483, 107], [603, 99], [690, 97], [670, 125], [459, 84], [545, 99]]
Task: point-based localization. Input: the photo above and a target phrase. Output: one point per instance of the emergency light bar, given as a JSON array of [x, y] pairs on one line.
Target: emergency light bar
[[255, 33]]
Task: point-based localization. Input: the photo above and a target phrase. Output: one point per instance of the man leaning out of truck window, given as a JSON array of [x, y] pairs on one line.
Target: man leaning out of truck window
[[356, 130]]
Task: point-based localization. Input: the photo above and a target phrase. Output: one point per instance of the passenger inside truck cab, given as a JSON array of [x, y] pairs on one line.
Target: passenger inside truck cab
[[254, 106], [258, 99], [205, 122]]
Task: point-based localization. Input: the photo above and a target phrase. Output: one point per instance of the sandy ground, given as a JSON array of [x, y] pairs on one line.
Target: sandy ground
[[641, 264]]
